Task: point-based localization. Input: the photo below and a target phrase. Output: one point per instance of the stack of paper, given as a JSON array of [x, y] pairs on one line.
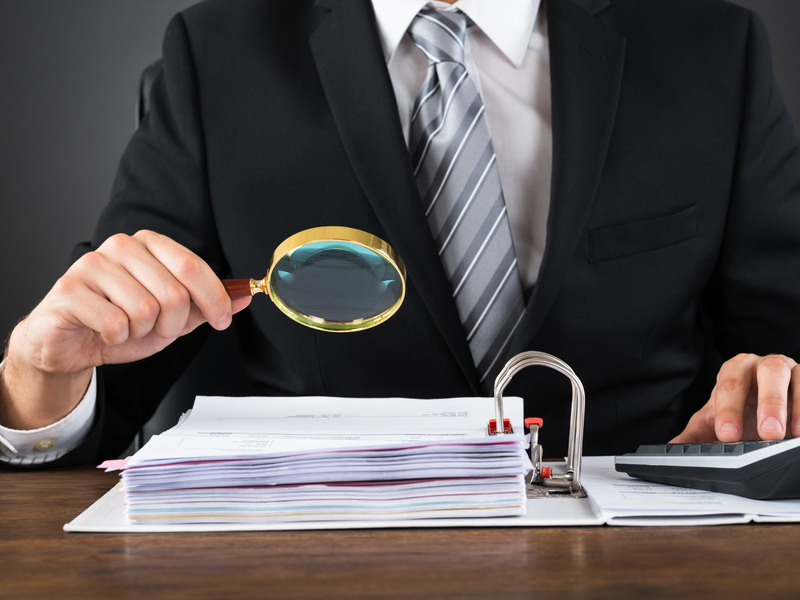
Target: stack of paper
[[271, 460]]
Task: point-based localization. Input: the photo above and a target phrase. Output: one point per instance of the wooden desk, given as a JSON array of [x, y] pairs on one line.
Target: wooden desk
[[39, 560]]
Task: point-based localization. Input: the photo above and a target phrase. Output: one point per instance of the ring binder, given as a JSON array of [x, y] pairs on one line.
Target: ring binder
[[569, 481]]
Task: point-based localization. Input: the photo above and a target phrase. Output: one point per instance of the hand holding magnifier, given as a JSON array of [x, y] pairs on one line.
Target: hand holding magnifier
[[331, 279]]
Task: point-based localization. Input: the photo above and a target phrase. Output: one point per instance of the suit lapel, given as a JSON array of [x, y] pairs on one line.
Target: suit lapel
[[353, 73], [586, 64]]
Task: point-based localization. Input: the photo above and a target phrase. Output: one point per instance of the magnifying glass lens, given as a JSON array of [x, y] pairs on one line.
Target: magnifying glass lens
[[337, 282]]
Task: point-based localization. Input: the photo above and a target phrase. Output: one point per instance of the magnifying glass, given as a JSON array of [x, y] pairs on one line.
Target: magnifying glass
[[331, 279]]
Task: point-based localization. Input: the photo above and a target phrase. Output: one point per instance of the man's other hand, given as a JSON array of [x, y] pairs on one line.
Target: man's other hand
[[755, 398]]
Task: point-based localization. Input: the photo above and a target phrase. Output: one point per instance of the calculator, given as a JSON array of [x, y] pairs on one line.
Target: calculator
[[762, 470]]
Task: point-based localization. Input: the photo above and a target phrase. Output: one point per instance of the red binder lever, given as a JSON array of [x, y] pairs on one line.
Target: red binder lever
[[506, 426]]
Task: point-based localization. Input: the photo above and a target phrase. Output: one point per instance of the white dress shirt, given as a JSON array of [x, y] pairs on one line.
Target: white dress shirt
[[508, 58]]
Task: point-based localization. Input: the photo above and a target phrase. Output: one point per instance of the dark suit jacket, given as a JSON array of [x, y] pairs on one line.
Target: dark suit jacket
[[675, 202]]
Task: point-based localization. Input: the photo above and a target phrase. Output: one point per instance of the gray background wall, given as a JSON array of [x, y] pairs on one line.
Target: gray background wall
[[68, 75]]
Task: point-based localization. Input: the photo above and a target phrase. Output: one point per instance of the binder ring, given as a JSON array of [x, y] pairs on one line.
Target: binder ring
[[572, 476]]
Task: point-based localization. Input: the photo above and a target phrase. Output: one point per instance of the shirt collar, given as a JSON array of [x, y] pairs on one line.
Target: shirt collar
[[508, 23]]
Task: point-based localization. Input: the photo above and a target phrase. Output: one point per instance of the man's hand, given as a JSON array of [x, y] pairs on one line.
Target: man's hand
[[755, 398], [126, 301]]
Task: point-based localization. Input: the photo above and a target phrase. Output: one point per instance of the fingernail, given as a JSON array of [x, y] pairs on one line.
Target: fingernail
[[729, 428], [771, 425]]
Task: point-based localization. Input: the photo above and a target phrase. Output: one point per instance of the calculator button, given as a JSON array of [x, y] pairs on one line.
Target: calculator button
[[750, 446]]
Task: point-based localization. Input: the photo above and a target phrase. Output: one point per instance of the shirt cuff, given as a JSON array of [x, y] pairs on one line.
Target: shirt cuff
[[46, 444]]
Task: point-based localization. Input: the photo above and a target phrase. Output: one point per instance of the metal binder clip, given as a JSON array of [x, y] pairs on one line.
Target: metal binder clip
[[569, 481]]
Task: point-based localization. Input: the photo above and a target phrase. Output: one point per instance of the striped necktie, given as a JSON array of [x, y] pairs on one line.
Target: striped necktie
[[454, 164]]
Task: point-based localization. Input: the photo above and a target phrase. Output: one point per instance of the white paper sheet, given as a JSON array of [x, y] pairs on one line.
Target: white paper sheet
[[624, 500], [238, 427]]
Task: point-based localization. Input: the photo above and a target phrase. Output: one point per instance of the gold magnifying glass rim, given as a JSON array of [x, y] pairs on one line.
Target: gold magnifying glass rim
[[337, 234]]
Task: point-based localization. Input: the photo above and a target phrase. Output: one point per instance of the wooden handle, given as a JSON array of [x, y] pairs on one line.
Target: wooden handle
[[238, 288]]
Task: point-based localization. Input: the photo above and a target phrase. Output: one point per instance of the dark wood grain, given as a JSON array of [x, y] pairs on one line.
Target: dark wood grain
[[39, 560]]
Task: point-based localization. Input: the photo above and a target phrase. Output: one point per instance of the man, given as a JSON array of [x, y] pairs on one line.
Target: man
[[658, 229]]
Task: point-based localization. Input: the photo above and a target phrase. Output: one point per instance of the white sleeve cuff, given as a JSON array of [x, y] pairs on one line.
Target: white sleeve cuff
[[36, 446]]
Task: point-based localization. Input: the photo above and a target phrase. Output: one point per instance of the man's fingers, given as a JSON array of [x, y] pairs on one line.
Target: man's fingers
[[151, 287], [99, 293], [773, 374], [735, 382], [752, 397], [80, 306], [192, 272], [108, 280]]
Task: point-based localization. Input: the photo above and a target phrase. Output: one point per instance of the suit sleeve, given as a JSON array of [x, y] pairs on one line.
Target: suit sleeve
[[755, 294]]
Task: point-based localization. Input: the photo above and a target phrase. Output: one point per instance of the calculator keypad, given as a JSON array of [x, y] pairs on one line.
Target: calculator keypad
[[732, 448]]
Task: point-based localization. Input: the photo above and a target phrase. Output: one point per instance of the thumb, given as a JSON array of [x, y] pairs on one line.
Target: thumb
[[239, 304], [196, 317]]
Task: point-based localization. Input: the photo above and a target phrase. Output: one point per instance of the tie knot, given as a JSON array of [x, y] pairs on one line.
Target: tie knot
[[440, 35]]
